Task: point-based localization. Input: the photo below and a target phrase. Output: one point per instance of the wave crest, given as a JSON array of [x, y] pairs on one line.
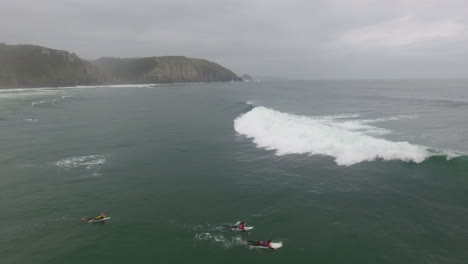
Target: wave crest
[[349, 142]]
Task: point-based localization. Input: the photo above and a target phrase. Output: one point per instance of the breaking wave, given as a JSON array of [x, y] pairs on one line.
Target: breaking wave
[[348, 141], [25, 93]]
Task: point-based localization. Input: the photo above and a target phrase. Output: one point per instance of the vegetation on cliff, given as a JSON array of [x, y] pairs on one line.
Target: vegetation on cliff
[[167, 69], [36, 66]]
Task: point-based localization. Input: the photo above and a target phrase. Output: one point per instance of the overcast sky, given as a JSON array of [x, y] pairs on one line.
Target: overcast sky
[[288, 38]]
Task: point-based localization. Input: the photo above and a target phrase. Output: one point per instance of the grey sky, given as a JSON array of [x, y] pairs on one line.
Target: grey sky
[[294, 38]]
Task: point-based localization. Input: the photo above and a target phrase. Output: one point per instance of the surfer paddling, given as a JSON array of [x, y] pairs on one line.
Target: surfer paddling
[[100, 218], [239, 226], [261, 244]]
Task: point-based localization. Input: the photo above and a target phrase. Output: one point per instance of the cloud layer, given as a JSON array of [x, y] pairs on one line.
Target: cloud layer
[[297, 38]]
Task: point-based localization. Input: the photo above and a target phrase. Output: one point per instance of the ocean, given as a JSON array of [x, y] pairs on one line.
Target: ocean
[[349, 171]]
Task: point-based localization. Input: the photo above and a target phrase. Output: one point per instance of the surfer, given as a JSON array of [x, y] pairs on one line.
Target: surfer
[[241, 226], [266, 243], [99, 217]]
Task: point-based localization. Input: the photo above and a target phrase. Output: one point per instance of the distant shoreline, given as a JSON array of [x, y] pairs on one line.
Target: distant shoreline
[[30, 66], [147, 85]]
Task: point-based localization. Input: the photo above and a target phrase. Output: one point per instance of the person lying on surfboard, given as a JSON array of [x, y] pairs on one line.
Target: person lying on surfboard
[[99, 217], [241, 226], [266, 243]]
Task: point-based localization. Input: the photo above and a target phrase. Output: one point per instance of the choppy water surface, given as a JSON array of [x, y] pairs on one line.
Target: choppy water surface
[[339, 171]]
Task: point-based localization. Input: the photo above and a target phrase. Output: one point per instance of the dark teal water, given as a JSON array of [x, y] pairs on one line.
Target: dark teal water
[[318, 165]]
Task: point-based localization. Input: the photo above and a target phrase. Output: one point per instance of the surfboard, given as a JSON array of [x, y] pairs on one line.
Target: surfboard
[[276, 245], [247, 228], [233, 228], [100, 220], [273, 245]]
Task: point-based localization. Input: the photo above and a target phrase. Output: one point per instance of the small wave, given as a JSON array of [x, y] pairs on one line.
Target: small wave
[[112, 86], [41, 102], [349, 142], [252, 102], [62, 98], [58, 100], [88, 162], [32, 120], [391, 118], [25, 93], [343, 116]]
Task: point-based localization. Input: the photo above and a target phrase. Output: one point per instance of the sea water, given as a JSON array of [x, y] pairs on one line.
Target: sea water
[[371, 171]]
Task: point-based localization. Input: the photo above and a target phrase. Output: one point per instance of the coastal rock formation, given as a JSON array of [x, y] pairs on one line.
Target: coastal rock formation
[[167, 69], [248, 78], [36, 66]]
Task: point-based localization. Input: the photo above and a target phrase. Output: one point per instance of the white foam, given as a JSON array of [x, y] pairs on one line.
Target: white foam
[[41, 102], [343, 116], [88, 162], [25, 93], [111, 86], [349, 141], [219, 238], [58, 100], [20, 90]]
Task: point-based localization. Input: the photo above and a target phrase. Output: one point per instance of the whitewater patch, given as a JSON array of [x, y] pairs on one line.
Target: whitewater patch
[[220, 239], [58, 100], [111, 86], [348, 141], [41, 102], [25, 93], [87, 162]]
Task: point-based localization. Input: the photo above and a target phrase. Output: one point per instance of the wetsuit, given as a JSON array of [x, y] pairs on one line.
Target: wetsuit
[[260, 243], [242, 226]]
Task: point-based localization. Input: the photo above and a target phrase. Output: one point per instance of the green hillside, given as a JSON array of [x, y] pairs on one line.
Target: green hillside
[[36, 66], [167, 69]]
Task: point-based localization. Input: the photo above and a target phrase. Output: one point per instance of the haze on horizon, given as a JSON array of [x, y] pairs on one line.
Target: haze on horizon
[[294, 39]]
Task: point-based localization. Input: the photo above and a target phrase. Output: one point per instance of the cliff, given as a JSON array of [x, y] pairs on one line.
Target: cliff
[[36, 66], [167, 69]]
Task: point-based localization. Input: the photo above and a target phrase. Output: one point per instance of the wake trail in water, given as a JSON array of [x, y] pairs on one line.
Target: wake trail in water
[[348, 141], [88, 162]]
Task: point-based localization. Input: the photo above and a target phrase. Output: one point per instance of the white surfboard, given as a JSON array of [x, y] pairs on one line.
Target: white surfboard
[[100, 220], [273, 245], [276, 245], [247, 228]]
